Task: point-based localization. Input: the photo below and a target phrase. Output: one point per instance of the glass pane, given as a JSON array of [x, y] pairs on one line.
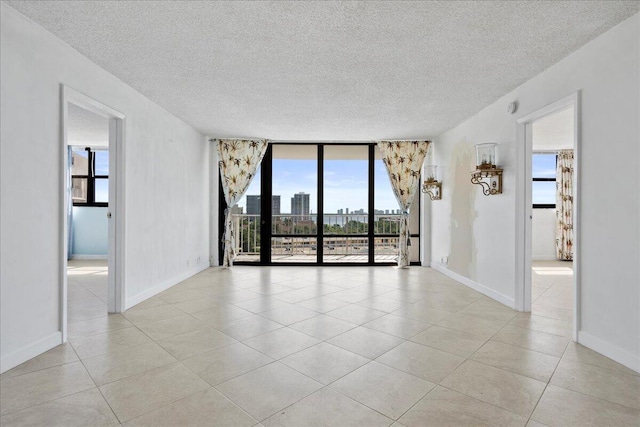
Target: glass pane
[[102, 162], [80, 159], [346, 189], [246, 222], [249, 204], [387, 212], [247, 232], [544, 165], [294, 249], [386, 249], [346, 249], [294, 188], [79, 190], [544, 192], [102, 190]]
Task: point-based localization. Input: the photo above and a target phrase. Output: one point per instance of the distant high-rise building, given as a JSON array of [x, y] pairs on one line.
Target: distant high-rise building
[[300, 205], [340, 211], [275, 205], [253, 205]]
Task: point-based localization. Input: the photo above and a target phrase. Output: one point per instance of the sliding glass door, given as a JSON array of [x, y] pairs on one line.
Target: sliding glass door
[[321, 203], [345, 204], [294, 204]]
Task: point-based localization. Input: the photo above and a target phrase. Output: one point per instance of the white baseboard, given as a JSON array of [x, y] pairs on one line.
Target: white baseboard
[[78, 256], [623, 357], [145, 295], [501, 298], [30, 351]]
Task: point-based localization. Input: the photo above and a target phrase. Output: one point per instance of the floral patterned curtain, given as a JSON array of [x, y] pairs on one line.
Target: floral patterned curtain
[[564, 205], [403, 160], [238, 159]]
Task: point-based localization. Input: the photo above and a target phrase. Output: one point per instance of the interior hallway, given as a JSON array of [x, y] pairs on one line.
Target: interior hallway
[[333, 346]]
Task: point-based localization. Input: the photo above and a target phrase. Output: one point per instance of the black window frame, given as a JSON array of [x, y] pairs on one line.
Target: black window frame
[[266, 234], [91, 178], [538, 179]]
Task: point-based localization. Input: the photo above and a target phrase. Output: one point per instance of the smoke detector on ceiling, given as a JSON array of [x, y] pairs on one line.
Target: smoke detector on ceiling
[[513, 107]]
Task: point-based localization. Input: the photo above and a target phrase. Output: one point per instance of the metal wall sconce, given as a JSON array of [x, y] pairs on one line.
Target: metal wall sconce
[[431, 186], [487, 174]]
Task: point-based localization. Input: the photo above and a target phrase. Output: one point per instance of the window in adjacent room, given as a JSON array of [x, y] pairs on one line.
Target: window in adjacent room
[[544, 180], [90, 177]]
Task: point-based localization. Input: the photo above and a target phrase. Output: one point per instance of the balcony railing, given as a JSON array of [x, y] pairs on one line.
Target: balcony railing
[[344, 238]]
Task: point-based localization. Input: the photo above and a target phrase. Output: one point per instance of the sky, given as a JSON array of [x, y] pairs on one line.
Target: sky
[[544, 166], [345, 185]]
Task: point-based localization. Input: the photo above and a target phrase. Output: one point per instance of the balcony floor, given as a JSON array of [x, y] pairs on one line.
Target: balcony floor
[[302, 258]]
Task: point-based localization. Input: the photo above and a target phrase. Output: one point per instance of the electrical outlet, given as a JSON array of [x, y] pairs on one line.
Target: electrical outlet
[[187, 263], [445, 260], [198, 260]]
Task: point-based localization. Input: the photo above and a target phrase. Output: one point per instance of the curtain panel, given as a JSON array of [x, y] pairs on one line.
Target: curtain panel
[[564, 205], [238, 161], [403, 160]]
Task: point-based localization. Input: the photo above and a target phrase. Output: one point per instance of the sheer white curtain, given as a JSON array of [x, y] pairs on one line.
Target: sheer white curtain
[[238, 159], [564, 205], [403, 160]]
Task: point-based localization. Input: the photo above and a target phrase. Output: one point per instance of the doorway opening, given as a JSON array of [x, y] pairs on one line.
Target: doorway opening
[[92, 229], [550, 287]]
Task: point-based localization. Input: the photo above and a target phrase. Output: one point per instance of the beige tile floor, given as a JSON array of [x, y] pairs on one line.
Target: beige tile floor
[[302, 346]]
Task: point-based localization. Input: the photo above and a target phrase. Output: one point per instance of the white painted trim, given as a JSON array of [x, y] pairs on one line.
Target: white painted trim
[[116, 277], [116, 199], [80, 256], [501, 298], [524, 210], [64, 214], [214, 182], [145, 295], [621, 356], [30, 351]]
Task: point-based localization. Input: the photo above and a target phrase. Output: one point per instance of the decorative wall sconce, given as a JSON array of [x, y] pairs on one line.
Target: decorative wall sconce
[[487, 174], [431, 186]]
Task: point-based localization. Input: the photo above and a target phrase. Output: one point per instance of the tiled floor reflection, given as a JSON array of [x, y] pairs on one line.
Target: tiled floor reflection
[[334, 346]]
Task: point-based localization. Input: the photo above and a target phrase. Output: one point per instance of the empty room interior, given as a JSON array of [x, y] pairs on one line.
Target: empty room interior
[[344, 213]]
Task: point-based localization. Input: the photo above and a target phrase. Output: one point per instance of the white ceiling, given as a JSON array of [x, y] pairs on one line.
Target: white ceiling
[[326, 70], [86, 129]]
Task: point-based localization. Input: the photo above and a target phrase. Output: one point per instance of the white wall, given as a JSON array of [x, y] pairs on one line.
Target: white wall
[[167, 188], [90, 229], [543, 233], [478, 232]]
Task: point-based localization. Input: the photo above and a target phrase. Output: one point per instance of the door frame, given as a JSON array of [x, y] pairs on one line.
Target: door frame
[[116, 223], [524, 207]]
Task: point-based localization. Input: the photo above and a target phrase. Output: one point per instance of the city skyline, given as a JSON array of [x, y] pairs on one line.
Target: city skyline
[[345, 184]]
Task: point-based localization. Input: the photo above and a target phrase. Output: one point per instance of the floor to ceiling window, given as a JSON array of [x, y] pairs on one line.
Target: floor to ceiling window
[[294, 182], [321, 203], [345, 204]]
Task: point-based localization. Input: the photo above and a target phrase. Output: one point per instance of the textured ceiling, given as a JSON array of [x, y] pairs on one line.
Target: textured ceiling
[[86, 128], [325, 70]]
